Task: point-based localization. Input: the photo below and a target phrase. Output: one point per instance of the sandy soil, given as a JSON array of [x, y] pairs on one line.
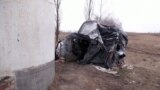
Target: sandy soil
[[143, 52]]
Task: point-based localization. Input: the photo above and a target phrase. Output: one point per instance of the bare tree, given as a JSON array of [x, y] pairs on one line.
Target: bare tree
[[57, 14], [89, 9], [100, 10], [111, 21], [98, 16]]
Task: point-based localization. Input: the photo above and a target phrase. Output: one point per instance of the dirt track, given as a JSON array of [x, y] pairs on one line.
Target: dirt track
[[143, 52]]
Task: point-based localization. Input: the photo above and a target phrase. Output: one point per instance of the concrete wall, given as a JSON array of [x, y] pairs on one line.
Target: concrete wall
[[26, 34]]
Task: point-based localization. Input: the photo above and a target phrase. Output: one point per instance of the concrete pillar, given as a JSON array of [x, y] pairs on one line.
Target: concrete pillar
[[27, 42]]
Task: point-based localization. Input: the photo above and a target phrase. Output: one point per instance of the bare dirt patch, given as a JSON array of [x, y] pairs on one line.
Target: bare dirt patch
[[143, 52]]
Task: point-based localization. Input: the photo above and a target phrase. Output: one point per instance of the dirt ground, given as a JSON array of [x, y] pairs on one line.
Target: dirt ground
[[143, 52]]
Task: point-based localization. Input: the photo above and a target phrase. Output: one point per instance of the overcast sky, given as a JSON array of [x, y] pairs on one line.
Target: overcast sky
[[135, 15]]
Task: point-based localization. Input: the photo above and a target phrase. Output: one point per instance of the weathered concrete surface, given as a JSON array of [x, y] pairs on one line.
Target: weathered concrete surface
[[35, 78], [26, 33], [27, 40]]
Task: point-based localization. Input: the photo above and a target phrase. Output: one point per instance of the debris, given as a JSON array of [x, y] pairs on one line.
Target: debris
[[106, 70], [132, 82], [130, 67], [94, 44]]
